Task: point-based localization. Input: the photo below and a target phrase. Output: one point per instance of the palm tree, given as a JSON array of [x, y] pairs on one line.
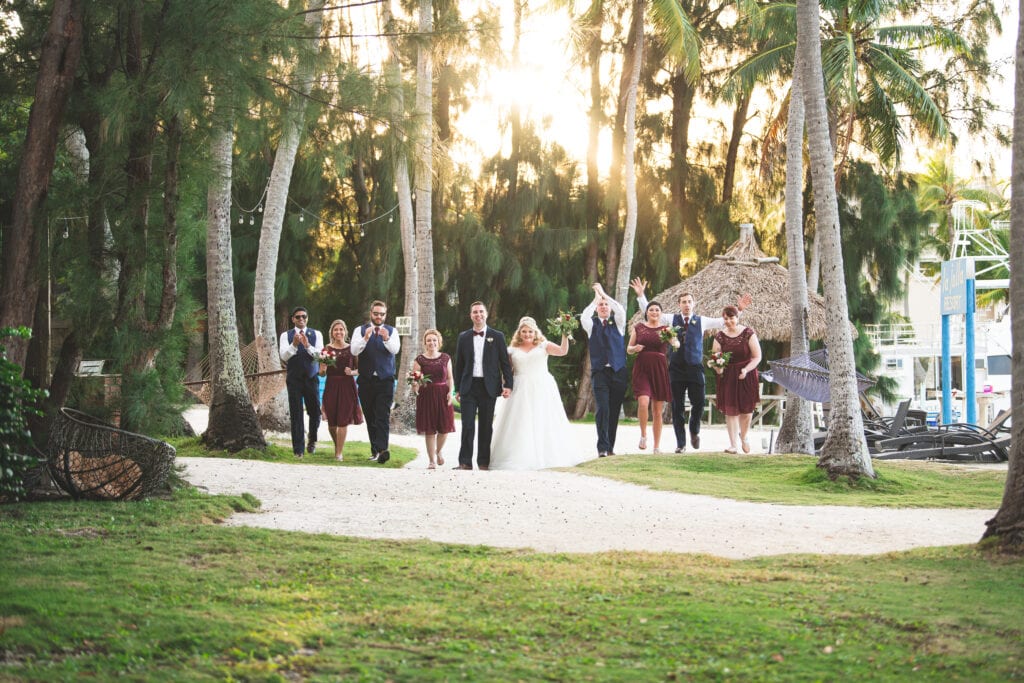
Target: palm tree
[[1008, 524], [875, 79], [683, 44], [425, 313], [274, 415], [233, 425], [938, 189], [845, 451], [406, 217], [795, 434]]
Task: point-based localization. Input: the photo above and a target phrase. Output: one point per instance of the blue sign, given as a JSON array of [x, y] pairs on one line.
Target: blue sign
[[955, 275]]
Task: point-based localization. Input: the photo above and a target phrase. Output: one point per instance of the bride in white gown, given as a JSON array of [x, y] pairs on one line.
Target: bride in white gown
[[531, 430]]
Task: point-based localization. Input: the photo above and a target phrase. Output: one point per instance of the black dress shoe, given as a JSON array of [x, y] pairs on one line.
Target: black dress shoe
[[299, 455], [462, 467], [484, 467], [602, 454], [695, 440], [311, 447], [373, 458], [681, 449], [383, 457]]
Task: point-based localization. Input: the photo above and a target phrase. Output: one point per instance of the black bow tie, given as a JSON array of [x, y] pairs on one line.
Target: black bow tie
[[478, 334]]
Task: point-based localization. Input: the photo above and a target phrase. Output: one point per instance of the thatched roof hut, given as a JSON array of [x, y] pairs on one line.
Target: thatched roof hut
[[744, 268]]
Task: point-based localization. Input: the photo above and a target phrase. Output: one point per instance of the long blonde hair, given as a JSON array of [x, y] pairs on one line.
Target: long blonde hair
[[330, 330], [527, 321]]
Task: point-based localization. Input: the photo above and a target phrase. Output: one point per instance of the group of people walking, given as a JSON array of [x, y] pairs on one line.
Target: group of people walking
[[529, 430]]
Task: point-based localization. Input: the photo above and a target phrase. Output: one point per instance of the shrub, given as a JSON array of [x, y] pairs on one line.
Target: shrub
[[18, 400]]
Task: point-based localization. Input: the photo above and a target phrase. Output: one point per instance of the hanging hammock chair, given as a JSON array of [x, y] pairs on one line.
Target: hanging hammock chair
[[807, 375], [263, 386]]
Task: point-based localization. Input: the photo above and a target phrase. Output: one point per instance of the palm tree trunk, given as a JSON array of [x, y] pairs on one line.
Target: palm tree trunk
[[1008, 524], [845, 451], [629, 166], [274, 413], [425, 172], [233, 425], [613, 198], [795, 433]]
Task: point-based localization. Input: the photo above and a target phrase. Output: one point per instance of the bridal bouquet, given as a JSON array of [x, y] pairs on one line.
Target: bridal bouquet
[[417, 379], [563, 323], [669, 335], [717, 360], [325, 358]]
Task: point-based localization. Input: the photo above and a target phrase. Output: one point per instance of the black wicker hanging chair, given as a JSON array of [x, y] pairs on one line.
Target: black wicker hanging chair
[[90, 459]]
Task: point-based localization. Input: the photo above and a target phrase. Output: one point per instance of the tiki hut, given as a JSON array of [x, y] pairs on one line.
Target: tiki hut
[[745, 269]]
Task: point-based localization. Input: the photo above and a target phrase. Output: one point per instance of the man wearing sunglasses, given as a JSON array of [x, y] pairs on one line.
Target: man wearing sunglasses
[[298, 347], [376, 344]]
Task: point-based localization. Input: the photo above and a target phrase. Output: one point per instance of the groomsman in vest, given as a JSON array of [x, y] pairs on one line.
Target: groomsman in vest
[[376, 345], [686, 366], [604, 321], [297, 347], [482, 373]]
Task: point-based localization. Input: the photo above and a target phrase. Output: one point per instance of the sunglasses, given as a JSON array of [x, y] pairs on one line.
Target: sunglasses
[[300, 317]]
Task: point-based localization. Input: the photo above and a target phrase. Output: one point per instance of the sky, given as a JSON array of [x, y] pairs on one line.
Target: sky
[[551, 90]]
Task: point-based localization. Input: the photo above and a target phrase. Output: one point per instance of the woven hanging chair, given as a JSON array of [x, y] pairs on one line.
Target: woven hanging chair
[[263, 386], [90, 459]]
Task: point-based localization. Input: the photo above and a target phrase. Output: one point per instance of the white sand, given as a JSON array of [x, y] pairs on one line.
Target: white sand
[[554, 511]]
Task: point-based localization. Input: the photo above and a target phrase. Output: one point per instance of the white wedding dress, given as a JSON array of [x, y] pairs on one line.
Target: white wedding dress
[[531, 430]]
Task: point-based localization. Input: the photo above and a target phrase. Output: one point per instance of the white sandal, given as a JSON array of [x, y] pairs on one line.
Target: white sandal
[[643, 443]]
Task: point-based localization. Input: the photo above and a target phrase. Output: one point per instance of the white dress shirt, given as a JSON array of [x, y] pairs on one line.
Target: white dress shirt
[[587, 316], [478, 353], [706, 324], [287, 349]]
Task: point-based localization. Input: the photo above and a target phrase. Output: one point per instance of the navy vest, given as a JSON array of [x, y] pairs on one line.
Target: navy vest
[[691, 342], [606, 345], [301, 365], [375, 359]]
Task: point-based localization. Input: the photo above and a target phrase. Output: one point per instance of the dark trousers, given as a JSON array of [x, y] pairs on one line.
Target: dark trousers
[[376, 396], [301, 391], [680, 389], [477, 403], [609, 388]]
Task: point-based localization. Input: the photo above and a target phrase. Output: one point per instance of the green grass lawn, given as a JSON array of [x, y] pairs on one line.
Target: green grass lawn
[[794, 479], [357, 453], [157, 591]]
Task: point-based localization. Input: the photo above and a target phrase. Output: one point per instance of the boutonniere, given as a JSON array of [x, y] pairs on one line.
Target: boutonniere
[[490, 339], [693, 320]]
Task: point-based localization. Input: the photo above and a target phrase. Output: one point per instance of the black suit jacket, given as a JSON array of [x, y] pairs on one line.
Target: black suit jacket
[[497, 368]]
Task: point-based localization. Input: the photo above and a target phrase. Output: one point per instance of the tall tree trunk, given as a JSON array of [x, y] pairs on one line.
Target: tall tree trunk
[[1008, 524], [595, 119], [681, 223], [796, 432], [845, 451], [584, 398], [274, 413], [425, 175], [629, 165], [516, 115], [814, 271], [405, 413], [739, 120], [58, 61], [613, 198], [232, 425]]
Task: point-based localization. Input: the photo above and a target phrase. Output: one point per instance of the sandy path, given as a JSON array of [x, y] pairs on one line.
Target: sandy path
[[562, 511]]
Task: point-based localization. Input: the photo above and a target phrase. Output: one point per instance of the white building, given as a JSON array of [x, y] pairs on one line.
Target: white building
[[912, 353]]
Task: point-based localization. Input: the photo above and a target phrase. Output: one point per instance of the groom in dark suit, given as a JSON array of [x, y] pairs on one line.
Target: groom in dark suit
[[482, 373]]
